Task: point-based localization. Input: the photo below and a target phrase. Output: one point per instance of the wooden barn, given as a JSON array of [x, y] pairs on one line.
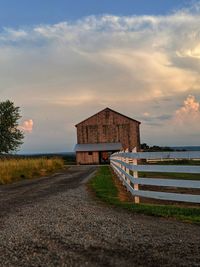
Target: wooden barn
[[104, 133]]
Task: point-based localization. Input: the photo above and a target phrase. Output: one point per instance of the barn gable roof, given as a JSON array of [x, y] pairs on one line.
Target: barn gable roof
[[108, 109]]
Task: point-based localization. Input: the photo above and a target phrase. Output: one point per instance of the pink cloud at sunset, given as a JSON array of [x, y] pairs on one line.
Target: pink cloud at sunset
[[27, 126], [189, 112]]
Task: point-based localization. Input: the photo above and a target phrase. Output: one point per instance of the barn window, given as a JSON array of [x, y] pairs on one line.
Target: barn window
[[90, 153]]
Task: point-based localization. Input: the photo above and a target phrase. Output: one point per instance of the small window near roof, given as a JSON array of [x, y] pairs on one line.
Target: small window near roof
[[90, 153]]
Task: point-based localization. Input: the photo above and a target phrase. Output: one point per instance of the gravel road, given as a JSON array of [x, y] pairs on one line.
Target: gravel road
[[55, 222]]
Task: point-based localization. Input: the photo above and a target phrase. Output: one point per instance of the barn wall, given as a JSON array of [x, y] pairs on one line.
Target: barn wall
[[109, 127], [85, 158]]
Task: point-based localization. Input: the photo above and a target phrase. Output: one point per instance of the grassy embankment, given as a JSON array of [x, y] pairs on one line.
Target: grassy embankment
[[105, 189], [12, 170]]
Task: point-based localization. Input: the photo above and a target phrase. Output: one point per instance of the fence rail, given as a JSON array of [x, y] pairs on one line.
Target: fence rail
[[125, 166]]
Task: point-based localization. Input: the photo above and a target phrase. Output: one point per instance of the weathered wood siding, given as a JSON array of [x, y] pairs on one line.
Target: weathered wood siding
[[109, 127], [85, 158]]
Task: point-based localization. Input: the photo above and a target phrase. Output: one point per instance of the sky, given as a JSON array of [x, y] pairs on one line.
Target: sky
[[63, 61]]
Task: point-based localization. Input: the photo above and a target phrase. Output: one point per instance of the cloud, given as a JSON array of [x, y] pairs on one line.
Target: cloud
[[155, 120], [190, 53], [189, 112], [60, 74], [182, 127], [27, 126], [10, 35], [146, 114]]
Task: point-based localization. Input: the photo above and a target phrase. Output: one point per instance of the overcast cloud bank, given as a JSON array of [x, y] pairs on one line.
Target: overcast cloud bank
[[146, 67]]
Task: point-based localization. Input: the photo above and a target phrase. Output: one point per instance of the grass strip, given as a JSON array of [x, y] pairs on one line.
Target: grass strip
[[103, 186], [12, 170]]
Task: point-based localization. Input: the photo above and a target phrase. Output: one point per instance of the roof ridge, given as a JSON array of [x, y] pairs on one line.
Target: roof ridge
[[110, 110]]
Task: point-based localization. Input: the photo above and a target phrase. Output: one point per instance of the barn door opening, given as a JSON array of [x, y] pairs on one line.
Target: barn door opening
[[104, 157]]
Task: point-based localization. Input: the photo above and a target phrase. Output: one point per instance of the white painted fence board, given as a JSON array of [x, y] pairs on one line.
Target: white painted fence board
[[161, 182], [163, 196], [161, 168], [120, 166], [160, 155], [167, 196]]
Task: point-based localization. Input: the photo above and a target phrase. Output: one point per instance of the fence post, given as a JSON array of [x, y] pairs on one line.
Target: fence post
[[135, 175], [116, 157], [123, 168], [118, 164], [127, 170]]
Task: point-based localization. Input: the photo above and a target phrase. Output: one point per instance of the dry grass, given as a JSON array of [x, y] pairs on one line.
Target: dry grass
[[13, 170]]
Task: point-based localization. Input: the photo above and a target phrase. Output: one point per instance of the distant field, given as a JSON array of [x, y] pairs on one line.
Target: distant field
[[69, 158], [193, 162], [12, 170], [184, 176]]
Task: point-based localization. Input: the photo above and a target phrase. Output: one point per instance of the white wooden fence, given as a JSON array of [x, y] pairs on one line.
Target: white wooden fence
[[125, 166]]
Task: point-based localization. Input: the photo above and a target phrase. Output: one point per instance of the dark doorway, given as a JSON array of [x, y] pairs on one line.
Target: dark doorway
[[104, 157]]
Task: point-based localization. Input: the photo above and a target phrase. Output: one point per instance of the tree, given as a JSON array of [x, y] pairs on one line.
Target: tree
[[144, 146], [10, 134], [155, 148]]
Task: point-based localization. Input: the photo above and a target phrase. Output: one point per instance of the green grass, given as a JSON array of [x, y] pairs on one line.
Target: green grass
[[103, 186], [12, 170], [184, 176]]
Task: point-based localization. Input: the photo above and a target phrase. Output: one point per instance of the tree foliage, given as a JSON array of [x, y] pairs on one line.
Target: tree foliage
[[10, 134], [155, 148]]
